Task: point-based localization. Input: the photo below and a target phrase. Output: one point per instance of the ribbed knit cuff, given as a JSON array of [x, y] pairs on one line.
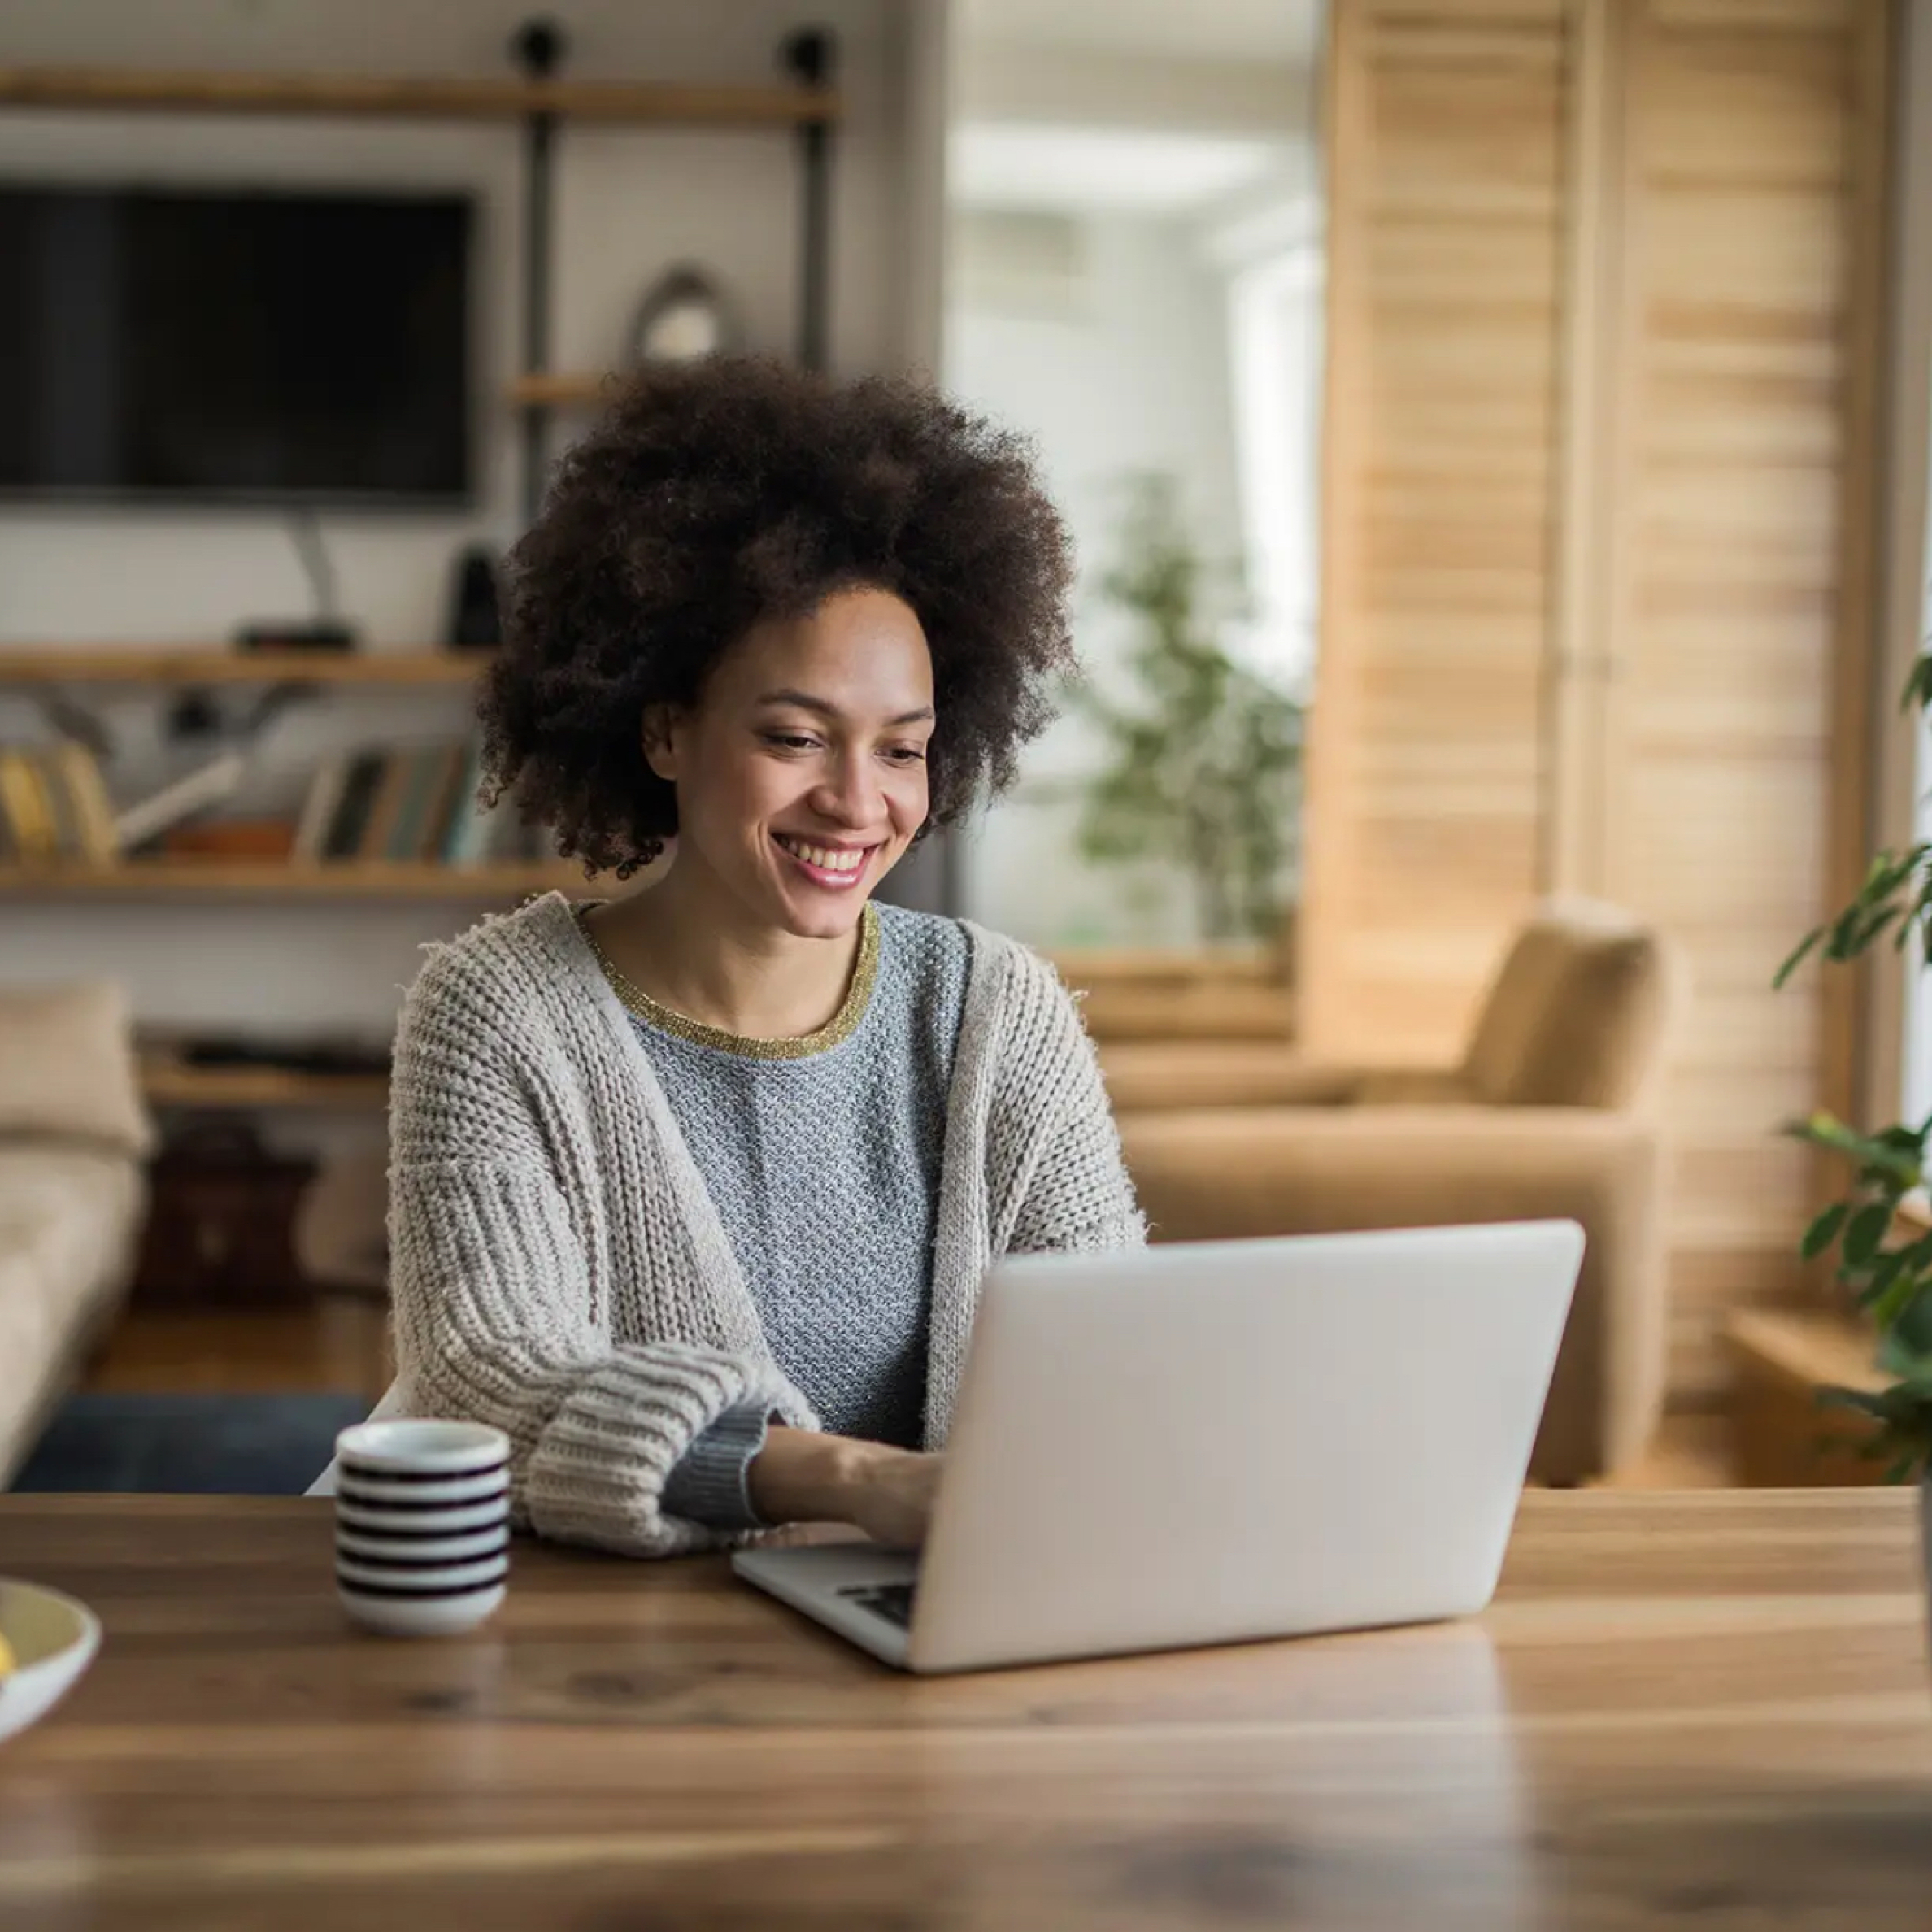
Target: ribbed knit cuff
[[710, 1483]]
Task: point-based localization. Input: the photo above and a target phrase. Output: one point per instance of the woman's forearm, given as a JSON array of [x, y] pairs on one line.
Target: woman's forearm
[[799, 1477], [802, 1477]]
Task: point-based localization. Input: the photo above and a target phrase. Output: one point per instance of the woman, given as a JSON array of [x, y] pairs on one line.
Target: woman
[[691, 1192]]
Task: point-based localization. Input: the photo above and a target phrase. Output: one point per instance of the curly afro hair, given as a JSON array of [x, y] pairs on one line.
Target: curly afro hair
[[717, 494]]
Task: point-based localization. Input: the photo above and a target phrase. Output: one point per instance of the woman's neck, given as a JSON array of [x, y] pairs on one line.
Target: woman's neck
[[678, 943]]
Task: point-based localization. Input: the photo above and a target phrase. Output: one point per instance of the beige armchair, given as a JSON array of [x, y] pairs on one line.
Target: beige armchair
[[1553, 1110]]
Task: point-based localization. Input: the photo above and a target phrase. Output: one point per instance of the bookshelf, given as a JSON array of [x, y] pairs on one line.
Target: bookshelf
[[168, 1081], [420, 97], [38, 666], [27, 667], [800, 105], [544, 390]]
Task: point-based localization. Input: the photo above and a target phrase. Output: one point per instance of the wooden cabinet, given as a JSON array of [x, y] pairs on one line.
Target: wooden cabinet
[[1599, 559]]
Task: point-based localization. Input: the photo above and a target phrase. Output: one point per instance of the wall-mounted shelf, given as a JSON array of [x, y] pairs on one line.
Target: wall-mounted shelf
[[548, 391], [217, 878], [41, 665], [420, 97], [172, 1083]]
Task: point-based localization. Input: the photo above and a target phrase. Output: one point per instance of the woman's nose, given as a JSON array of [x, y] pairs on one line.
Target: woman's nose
[[850, 793]]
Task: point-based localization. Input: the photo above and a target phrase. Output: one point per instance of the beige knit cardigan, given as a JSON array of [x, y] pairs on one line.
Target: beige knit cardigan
[[559, 1270]]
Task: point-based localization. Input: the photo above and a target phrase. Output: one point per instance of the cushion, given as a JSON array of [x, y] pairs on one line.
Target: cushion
[[68, 1220], [1171, 1072], [1577, 1016], [68, 1070]]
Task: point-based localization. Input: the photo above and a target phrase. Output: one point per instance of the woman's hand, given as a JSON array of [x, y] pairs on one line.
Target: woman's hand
[[800, 1477], [893, 1501]]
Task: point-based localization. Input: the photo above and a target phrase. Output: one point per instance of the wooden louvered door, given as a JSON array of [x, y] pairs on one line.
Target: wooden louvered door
[[1599, 555]]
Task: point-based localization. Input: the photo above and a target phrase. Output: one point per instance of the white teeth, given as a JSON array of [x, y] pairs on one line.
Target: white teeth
[[824, 859]]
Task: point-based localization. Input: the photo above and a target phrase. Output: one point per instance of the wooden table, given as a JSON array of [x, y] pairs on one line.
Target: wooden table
[[1698, 1708]]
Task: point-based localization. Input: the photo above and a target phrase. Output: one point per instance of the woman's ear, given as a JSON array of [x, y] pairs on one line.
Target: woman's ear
[[659, 736]]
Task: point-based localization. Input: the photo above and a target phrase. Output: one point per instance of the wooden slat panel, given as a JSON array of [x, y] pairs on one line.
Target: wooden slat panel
[[1602, 294], [1426, 770], [1740, 136]]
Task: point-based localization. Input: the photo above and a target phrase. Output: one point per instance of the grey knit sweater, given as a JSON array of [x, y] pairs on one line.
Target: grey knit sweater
[[823, 1158], [559, 1269]]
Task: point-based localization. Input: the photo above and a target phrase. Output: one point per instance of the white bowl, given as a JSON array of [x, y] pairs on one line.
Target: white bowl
[[54, 1638]]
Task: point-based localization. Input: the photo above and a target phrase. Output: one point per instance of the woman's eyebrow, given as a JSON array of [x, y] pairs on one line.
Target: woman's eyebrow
[[804, 701]]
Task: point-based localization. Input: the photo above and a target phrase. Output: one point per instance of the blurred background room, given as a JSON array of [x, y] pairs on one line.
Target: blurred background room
[[1495, 436]]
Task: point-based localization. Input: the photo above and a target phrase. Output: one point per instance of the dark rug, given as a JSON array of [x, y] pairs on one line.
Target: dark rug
[[189, 1445]]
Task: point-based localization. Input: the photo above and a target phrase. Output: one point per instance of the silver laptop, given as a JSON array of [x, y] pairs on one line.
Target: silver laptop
[[1205, 1443]]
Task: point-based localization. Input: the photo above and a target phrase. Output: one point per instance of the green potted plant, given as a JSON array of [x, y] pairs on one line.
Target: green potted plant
[[1887, 1274], [1204, 765]]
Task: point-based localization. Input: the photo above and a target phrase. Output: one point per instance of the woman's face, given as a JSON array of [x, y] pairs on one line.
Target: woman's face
[[801, 774]]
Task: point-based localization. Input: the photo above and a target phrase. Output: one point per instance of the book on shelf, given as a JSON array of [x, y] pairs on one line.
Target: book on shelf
[[404, 804], [29, 821], [54, 805], [79, 771], [343, 840], [319, 805]]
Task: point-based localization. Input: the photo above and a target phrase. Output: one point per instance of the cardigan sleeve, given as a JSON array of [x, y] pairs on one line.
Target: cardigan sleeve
[[493, 1301], [1078, 1196]]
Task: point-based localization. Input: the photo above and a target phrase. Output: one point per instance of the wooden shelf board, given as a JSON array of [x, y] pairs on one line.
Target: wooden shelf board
[[1804, 1349], [278, 879], [419, 97], [559, 389], [1218, 964], [170, 1082], [131, 663]]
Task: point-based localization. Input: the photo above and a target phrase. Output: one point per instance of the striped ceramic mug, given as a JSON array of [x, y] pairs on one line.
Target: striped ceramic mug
[[422, 1525]]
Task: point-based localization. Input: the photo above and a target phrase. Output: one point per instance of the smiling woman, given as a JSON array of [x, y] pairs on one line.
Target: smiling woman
[[692, 1191]]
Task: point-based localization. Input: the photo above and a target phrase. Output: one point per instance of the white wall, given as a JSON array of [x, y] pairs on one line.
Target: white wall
[[1115, 361], [627, 204]]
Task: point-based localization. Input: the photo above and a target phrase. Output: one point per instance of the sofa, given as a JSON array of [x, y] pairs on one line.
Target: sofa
[[74, 1135], [1554, 1109]]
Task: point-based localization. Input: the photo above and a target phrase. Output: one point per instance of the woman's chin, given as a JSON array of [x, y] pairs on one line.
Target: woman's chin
[[820, 916]]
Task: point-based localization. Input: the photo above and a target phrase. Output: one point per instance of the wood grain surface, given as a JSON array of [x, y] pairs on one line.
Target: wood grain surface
[[1704, 1707], [1605, 284]]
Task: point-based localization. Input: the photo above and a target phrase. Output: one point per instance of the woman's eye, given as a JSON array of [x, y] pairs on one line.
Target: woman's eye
[[906, 755], [788, 741]]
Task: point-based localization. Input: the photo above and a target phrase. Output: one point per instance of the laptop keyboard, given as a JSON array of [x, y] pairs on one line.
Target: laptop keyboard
[[892, 1601]]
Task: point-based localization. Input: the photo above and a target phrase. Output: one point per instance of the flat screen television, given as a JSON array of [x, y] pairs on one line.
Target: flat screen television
[[277, 347]]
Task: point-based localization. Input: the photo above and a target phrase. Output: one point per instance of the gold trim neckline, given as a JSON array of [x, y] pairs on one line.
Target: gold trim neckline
[[835, 1031]]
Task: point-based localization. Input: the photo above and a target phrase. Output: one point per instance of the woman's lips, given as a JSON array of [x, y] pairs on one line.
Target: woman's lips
[[830, 867]]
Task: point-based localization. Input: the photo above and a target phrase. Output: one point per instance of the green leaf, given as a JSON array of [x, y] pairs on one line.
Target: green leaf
[[1823, 1231], [1918, 687], [1870, 1283], [1866, 1230], [1884, 1161], [1806, 947], [1904, 1467], [1865, 1403], [1895, 1298]]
